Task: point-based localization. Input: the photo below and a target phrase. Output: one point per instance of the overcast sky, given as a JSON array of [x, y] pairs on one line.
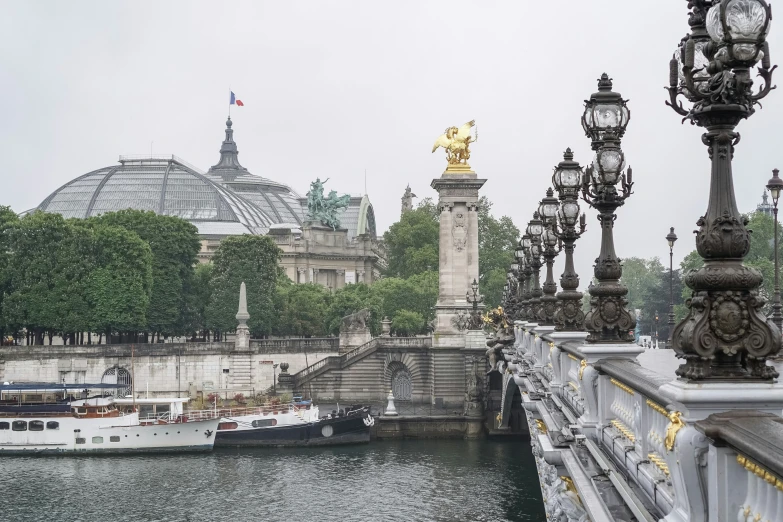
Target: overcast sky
[[333, 88]]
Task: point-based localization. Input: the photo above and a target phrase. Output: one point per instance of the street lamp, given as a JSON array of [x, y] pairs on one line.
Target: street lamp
[[656, 330], [671, 237], [475, 299], [774, 186], [725, 334], [605, 119], [526, 293], [567, 180], [547, 209], [534, 230]]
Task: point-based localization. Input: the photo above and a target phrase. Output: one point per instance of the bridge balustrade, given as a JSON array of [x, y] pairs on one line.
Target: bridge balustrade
[[606, 417]]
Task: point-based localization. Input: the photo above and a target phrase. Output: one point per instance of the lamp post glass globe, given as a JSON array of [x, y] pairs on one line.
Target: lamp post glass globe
[[747, 23], [605, 113], [547, 209], [774, 185]]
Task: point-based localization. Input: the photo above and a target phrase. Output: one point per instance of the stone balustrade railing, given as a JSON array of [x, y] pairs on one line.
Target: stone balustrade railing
[[615, 439]]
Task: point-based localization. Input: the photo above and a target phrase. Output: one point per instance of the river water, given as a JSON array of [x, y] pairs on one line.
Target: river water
[[384, 481]]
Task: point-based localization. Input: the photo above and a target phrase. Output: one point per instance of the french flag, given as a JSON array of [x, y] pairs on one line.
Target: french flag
[[234, 100]]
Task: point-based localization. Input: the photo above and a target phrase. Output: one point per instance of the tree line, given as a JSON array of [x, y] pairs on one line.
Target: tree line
[[133, 276]]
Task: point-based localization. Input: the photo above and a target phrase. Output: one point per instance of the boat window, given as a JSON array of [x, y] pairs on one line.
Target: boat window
[[97, 440], [146, 410], [162, 408], [19, 426], [114, 438], [227, 426], [80, 440], [5, 426], [263, 423], [52, 425], [36, 426]]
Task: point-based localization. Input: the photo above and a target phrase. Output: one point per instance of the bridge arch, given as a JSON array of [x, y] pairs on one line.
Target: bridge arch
[[510, 389]]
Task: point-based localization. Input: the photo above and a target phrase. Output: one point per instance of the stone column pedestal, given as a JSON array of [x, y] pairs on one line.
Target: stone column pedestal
[[458, 195]]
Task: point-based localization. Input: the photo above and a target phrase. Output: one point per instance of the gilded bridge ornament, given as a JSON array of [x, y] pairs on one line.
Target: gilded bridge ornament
[[456, 141], [675, 424]]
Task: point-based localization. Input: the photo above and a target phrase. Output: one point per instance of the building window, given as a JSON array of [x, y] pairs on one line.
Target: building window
[[19, 426], [36, 425], [52, 425], [5, 426], [80, 440], [114, 438], [263, 423], [97, 440]]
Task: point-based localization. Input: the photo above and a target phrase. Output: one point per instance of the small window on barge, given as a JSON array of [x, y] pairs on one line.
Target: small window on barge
[[5, 425], [264, 423], [36, 425], [19, 425]]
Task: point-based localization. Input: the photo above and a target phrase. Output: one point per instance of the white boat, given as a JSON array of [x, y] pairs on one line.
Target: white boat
[[93, 426]]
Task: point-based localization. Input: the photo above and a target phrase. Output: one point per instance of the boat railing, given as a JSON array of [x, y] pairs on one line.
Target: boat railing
[[242, 411]]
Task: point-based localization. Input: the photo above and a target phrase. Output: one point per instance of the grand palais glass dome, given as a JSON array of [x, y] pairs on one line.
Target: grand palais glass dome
[[226, 200]]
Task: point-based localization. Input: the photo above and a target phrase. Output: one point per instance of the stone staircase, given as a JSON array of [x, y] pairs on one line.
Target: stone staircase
[[358, 374], [241, 377]]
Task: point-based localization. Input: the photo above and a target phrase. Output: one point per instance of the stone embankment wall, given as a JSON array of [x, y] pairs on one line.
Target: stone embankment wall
[[166, 369]]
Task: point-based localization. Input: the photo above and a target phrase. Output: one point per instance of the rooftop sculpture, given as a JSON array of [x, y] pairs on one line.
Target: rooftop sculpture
[[324, 209]]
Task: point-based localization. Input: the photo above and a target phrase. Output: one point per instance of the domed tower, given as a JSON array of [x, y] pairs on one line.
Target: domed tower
[[276, 199]]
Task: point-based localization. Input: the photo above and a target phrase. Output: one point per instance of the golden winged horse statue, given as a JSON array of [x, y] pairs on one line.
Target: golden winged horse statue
[[456, 141]]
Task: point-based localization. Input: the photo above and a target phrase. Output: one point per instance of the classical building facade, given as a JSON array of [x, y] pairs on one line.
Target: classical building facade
[[228, 200]]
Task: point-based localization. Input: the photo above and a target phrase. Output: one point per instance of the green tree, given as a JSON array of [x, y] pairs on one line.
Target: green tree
[[412, 243], [498, 239], [32, 272], [199, 297], [254, 260], [418, 293], [406, 323], [8, 219], [304, 309], [350, 299], [640, 275], [119, 287], [174, 244]]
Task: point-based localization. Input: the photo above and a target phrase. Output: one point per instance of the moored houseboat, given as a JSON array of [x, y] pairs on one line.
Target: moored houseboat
[[46, 418], [294, 424]]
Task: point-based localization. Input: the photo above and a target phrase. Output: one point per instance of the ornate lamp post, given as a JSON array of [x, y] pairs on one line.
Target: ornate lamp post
[[774, 186], [671, 237], [567, 180], [528, 277], [725, 335], [534, 230], [547, 209], [476, 299], [604, 121]]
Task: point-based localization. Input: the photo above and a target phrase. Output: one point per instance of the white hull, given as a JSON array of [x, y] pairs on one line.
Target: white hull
[[105, 435]]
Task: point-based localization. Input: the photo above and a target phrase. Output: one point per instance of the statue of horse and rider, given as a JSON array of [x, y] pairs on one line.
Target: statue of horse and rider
[[324, 209]]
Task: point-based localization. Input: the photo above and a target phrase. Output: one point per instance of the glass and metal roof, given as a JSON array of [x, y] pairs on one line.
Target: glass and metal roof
[[226, 200], [165, 185]]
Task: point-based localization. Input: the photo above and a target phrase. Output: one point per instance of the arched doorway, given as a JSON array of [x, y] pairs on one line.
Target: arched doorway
[[121, 376], [401, 383]]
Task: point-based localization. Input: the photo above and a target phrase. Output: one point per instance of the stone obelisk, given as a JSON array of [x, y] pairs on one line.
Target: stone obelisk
[[458, 194], [242, 340]]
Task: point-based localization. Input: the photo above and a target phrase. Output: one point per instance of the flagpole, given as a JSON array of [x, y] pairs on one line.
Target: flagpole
[[229, 102]]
